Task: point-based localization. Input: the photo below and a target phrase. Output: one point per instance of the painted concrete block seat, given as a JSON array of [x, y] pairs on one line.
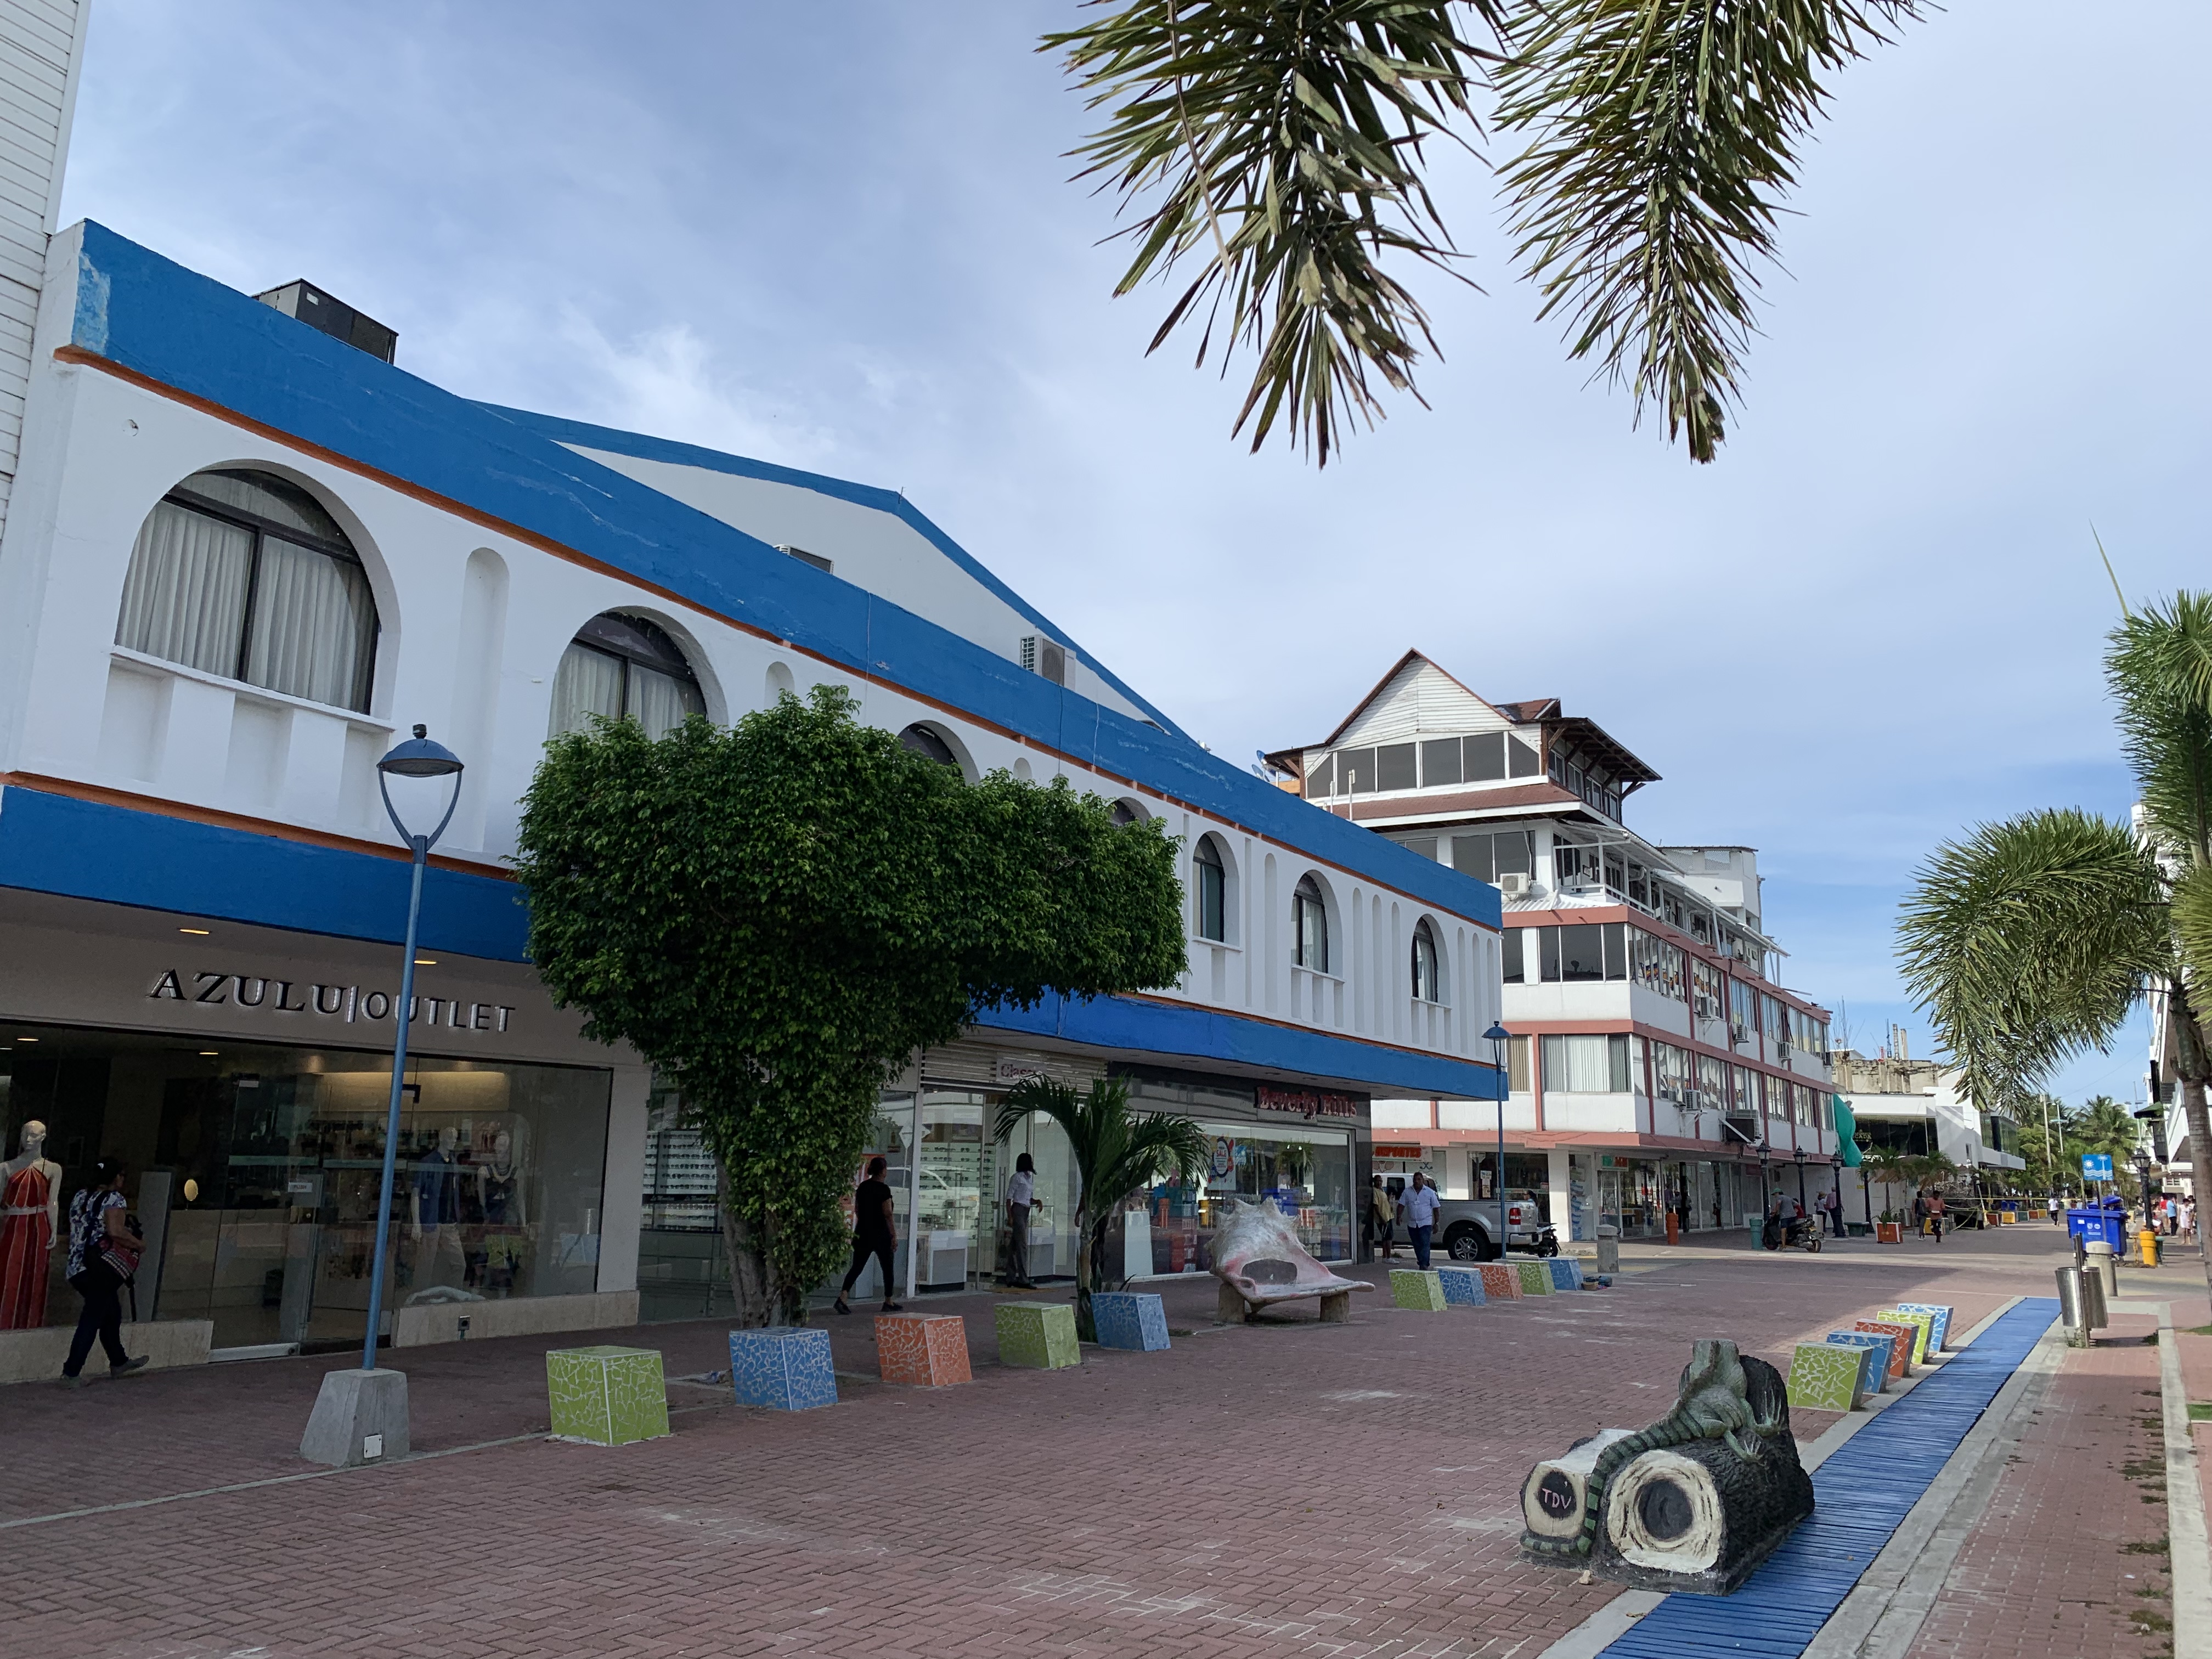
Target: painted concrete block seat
[[1424, 1292], [610, 1396], [785, 1368], [1826, 1377], [1259, 1262], [1462, 1286], [1136, 1320], [1039, 1335], [928, 1350]]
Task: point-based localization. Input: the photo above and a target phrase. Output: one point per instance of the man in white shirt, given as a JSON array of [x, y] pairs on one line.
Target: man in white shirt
[[1419, 1210], [1021, 1199]]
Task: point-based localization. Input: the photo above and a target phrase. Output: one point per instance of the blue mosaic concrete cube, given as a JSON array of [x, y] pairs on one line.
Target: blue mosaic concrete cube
[[1130, 1319], [1567, 1273], [785, 1368], [1462, 1287], [1939, 1339], [1875, 1348]]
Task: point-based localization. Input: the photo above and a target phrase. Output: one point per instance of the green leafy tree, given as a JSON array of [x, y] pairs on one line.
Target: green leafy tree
[[1283, 147], [1117, 1154], [1891, 1169], [778, 914], [2034, 940], [2047, 1146]]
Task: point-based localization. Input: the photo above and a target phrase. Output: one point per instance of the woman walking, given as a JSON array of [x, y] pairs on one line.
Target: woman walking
[[872, 1233], [100, 1240]]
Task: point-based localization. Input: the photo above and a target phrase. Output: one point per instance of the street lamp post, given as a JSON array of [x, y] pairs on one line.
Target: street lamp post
[[361, 1417], [1497, 1036]]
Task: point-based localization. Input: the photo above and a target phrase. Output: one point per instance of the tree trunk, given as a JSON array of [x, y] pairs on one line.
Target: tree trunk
[[755, 1299], [1086, 1323], [2192, 1065]]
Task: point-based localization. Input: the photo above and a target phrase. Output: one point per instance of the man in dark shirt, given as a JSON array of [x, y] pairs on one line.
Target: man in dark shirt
[[872, 1233]]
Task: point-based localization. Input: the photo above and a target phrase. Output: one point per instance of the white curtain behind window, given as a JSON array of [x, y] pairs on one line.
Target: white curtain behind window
[[314, 627], [658, 702], [587, 683], [184, 599]]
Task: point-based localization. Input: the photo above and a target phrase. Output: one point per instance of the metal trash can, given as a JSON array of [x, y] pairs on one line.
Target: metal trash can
[[2093, 1299], [2073, 1305], [2104, 1263]]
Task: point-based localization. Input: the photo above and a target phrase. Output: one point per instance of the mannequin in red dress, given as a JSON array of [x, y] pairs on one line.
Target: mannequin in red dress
[[30, 1223]]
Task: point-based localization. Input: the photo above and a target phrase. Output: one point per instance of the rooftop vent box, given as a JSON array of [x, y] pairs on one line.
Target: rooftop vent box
[[334, 316]]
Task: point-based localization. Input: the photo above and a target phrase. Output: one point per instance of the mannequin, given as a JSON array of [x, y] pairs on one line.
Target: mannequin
[[30, 1227], [436, 1203], [500, 1176]]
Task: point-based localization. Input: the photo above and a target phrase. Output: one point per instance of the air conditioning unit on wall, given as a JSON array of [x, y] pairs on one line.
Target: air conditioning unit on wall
[[1514, 884], [1041, 656]]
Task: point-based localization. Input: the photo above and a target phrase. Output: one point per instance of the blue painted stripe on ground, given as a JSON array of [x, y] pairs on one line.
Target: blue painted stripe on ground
[[1862, 1495]]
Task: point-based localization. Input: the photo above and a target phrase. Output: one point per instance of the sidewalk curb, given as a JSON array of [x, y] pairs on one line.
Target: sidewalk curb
[[2185, 1504]]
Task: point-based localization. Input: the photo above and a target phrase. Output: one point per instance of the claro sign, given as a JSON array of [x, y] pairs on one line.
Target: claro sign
[[347, 1003]]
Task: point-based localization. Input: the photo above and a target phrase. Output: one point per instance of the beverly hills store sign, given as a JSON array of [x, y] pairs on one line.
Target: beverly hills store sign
[[347, 1005]]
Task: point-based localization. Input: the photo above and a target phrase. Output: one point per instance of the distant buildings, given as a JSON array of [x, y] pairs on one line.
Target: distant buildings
[[1656, 1063]]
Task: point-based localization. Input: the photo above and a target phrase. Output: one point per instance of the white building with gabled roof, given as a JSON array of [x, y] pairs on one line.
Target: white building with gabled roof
[[1657, 1061]]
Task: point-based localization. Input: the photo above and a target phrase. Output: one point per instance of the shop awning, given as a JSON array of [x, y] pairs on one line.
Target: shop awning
[[1847, 1129]]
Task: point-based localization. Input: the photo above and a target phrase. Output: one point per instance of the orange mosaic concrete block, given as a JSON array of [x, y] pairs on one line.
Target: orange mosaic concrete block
[[929, 1350], [1500, 1278], [1901, 1339]]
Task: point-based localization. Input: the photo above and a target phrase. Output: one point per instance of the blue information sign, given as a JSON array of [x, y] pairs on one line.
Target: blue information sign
[[2096, 1166]]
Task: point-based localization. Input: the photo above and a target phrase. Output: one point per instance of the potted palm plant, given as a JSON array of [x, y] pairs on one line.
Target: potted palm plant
[[1116, 1153], [1891, 1169]]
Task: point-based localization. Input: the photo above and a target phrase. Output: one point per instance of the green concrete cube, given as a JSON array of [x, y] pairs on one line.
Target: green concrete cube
[[1826, 1379], [609, 1396], [1535, 1278], [1410, 1287], [1924, 1330], [1041, 1335]]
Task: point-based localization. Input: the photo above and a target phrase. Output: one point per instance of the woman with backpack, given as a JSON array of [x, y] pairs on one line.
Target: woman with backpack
[[103, 1256]]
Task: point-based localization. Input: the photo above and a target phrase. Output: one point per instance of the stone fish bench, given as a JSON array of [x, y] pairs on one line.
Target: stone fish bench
[[1261, 1264]]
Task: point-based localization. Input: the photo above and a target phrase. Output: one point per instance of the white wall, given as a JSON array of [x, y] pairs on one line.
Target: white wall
[[473, 625]]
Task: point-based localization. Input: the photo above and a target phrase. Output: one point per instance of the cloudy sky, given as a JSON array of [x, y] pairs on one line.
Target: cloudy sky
[[841, 236]]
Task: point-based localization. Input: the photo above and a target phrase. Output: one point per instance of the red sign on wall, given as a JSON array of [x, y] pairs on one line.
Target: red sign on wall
[[1306, 1103]]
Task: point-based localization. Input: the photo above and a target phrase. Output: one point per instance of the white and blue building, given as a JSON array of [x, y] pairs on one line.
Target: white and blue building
[[243, 553]]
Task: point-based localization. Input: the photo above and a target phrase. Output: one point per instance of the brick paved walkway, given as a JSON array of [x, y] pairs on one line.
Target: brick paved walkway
[[1301, 1489]]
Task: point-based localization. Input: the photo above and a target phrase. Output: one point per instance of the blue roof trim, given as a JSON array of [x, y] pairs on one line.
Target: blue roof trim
[[872, 497], [152, 316], [1175, 1031], [119, 855], [53, 843]]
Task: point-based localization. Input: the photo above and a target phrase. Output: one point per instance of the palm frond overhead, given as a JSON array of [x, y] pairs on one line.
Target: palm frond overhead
[[1664, 134], [2030, 941], [2158, 667], [1282, 146]]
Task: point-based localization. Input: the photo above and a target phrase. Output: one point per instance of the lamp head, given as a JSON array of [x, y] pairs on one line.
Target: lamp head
[[1496, 1033], [419, 757]]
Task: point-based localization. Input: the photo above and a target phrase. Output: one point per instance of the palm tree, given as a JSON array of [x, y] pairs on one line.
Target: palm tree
[[2034, 940], [1892, 1168], [1117, 1152], [1282, 147]]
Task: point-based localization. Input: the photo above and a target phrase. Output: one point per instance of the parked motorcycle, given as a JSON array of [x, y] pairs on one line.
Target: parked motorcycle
[[1801, 1233]]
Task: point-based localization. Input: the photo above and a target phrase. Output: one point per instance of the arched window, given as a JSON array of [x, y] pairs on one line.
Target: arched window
[[1426, 986], [920, 740], [1213, 891], [1309, 918], [243, 574], [1124, 814], [624, 667]]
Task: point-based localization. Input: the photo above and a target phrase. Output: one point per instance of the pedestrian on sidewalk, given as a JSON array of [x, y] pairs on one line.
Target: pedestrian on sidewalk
[[1935, 1210], [102, 1256], [1383, 1215], [1021, 1199], [872, 1233], [1831, 1211], [1421, 1213], [1920, 1211], [2051, 1205]]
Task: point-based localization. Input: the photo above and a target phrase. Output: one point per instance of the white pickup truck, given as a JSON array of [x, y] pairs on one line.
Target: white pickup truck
[[1466, 1228]]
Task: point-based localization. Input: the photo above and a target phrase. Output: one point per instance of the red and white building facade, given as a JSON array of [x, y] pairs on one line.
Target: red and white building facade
[[1657, 1063]]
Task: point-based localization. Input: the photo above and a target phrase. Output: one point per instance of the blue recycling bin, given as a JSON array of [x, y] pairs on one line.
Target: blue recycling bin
[[2090, 1225]]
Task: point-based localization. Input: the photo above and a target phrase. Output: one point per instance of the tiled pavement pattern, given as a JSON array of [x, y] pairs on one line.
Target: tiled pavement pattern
[[2070, 1559], [1297, 1488]]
